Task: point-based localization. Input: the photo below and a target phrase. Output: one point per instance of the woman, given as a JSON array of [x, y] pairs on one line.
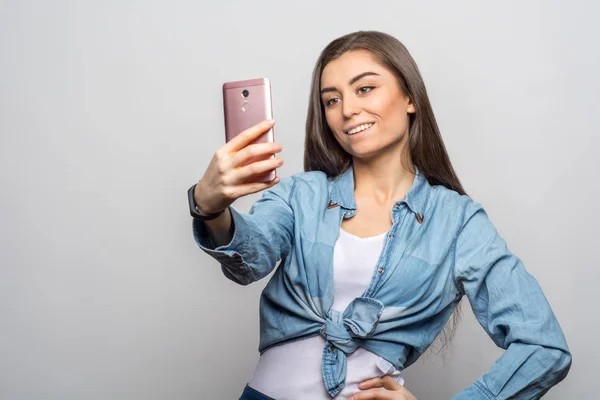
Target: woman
[[380, 209]]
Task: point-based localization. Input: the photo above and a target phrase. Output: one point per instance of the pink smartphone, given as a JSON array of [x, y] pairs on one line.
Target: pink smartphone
[[246, 103]]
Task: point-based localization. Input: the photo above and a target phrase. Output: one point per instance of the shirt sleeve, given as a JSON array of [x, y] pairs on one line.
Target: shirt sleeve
[[260, 239], [511, 307]]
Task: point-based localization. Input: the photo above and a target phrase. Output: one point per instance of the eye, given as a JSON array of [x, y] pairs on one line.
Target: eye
[[331, 102], [365, 89]]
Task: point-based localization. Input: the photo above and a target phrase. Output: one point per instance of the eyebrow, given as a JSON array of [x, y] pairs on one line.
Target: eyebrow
[[352, 81]]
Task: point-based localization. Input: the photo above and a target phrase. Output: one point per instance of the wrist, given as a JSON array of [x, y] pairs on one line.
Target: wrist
[[201, 212], [195, 210]]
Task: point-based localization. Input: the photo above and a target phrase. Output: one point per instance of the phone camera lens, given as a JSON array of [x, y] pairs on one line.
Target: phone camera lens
[[245, 93]]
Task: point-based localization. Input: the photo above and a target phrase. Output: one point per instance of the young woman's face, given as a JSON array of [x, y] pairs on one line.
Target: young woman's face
[[364, 105]]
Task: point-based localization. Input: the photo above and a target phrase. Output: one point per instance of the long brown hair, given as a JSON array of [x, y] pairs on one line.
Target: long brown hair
[[425, 145]]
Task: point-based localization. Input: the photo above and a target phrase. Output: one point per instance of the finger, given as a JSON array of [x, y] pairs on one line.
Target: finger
[[256, 168], [386, 382], [249, 188], [258, 150], [373, 394], [242, 139]]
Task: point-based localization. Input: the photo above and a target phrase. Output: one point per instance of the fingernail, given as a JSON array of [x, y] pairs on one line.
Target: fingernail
[[270, 121]]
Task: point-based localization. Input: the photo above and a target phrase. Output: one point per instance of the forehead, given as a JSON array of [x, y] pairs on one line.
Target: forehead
[[349, 65]]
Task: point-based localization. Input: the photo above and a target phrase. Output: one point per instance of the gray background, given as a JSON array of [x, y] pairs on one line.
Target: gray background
[[110, 110]]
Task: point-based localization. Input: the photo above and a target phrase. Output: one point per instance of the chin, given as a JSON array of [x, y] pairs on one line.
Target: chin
[[365, 152]]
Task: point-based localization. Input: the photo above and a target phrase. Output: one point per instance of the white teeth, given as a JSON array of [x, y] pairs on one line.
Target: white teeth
[[359, 129]]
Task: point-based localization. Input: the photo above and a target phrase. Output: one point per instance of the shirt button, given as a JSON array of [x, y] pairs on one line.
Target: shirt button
[[391, 235], [380, 270], [329, 350], [397, 206]]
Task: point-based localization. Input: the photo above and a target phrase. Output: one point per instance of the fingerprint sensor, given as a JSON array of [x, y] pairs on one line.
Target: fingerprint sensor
[[246, 107]]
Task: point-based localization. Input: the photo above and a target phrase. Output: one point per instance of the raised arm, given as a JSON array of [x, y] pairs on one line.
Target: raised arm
[[260, 238], [247, 245]]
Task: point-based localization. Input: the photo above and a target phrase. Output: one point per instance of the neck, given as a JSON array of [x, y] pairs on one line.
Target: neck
[[383, 180]]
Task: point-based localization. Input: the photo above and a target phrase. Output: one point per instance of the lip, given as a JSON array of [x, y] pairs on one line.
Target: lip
[[349, 128]]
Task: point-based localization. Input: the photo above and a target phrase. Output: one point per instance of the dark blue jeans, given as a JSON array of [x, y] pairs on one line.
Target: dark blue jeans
[[251, 394]]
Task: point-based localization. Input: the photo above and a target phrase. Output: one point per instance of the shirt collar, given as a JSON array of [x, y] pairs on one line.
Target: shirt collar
[[341, 192]]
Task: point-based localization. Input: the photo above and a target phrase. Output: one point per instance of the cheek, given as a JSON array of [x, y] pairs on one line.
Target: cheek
[[333, 120], [393, 114]]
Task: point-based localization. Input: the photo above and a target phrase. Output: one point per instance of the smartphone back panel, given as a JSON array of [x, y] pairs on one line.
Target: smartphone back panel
[[246, 103]]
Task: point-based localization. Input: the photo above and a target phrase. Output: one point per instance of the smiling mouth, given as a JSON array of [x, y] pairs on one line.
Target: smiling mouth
[[359, 129]]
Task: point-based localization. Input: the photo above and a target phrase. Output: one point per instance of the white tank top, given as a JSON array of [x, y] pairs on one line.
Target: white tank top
[[292, 371]]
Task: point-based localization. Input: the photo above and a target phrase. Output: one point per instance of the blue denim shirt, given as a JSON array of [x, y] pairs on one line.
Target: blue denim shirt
[[441, 245]]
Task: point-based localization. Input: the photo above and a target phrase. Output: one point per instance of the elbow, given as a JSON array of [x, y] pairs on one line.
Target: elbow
[[241, 278], [561, 364], [565, 364]]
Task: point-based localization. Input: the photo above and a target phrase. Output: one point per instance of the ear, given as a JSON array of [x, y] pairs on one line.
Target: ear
[[410, 109]]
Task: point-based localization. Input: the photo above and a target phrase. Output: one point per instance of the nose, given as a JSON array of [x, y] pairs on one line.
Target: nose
[[350, 107]]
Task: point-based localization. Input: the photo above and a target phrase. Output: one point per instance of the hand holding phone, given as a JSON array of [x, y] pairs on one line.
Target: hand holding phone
[[230, 175], [245, 104]]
